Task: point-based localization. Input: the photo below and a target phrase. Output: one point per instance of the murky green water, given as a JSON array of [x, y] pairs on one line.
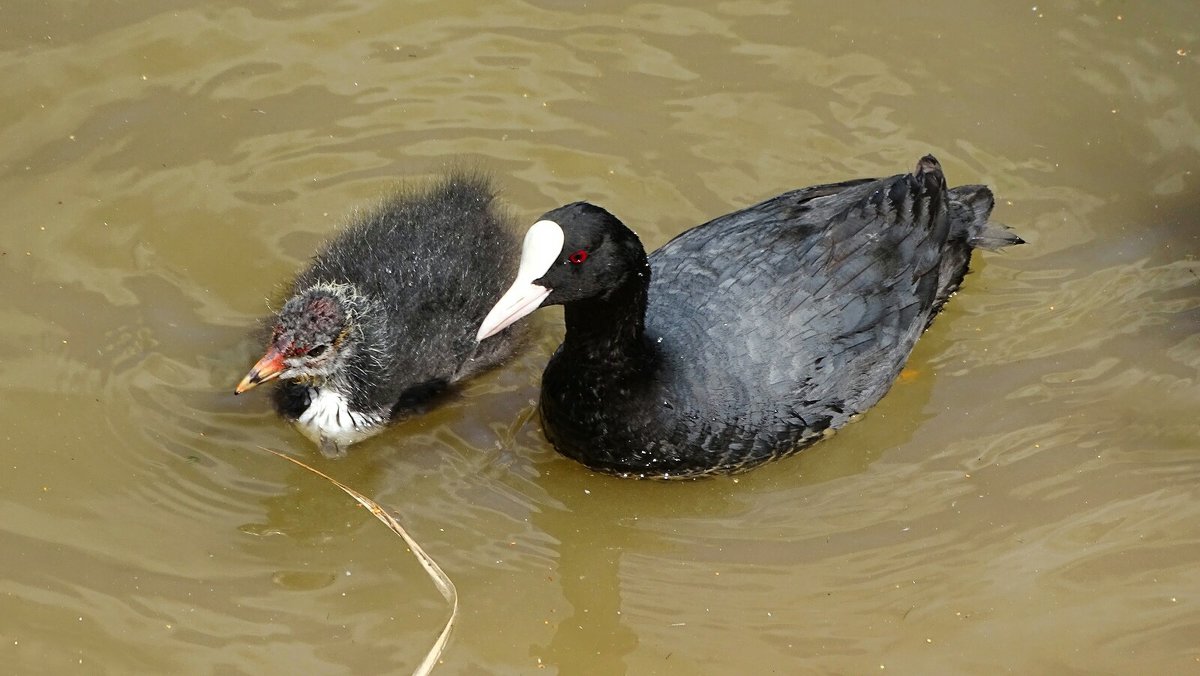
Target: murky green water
[[1026, 502]]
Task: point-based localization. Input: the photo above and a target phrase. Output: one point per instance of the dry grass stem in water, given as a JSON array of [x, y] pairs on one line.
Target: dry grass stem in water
[[440, 579]]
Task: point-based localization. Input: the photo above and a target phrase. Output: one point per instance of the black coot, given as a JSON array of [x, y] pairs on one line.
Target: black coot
[[746, 338], [384, 318]]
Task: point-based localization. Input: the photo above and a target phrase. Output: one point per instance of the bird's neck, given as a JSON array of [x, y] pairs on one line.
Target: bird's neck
[[365, 365], [608, 331]]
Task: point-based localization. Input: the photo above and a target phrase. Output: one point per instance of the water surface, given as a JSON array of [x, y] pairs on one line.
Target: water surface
[[1025, 500]]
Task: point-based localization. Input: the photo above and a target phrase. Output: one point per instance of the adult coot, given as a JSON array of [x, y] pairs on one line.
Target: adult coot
[[384, 317], [746, 338]]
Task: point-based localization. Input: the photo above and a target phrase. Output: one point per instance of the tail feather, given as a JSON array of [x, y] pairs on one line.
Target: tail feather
[[994, 236], [970, 208], [973, 203]]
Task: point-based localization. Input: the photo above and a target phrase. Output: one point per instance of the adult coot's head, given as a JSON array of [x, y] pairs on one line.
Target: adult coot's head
[[573, 253]]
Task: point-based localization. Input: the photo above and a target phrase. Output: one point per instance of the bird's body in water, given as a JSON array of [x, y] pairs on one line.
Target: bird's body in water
[[746, 338], [383, 319]]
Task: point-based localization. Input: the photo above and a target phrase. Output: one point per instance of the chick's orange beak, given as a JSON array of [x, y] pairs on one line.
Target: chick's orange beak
[[267, 368]]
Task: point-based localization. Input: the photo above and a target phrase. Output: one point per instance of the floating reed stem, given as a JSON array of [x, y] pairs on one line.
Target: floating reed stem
[[440, 579]]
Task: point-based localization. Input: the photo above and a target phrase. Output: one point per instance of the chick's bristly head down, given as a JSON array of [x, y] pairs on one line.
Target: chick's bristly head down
[[311, 340]]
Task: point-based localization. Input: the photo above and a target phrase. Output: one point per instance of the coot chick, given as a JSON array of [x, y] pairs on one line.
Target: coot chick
[[384, 318], [746, 338]]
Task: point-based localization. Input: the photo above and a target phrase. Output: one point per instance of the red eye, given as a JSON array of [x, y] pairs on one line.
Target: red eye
[[578, 257]]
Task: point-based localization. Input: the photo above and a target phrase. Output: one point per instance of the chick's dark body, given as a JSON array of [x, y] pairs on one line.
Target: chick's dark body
[[419, 272]]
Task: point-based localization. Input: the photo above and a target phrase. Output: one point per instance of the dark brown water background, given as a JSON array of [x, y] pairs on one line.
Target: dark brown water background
[[1027, 500]]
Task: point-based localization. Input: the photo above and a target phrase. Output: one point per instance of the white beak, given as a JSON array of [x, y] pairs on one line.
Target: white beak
[[543, 245]]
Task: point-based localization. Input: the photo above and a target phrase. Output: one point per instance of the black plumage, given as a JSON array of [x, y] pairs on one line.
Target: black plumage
[[383, 319], [747, 338]]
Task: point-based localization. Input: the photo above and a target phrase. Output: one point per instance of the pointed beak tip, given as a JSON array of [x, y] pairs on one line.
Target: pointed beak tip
[[247, 383], [520, 300], [267, 368]]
